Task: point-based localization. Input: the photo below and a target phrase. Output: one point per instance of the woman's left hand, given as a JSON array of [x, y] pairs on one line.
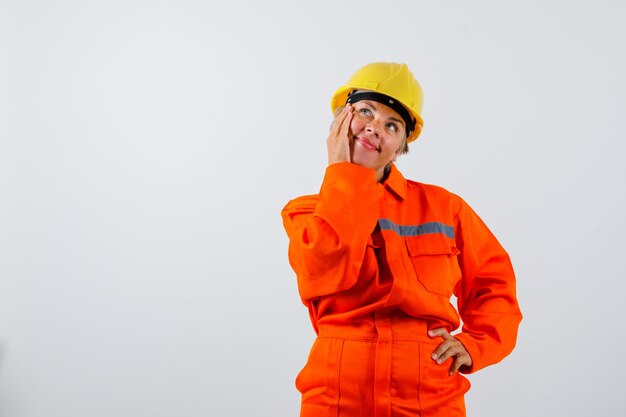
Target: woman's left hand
[[450, 348]]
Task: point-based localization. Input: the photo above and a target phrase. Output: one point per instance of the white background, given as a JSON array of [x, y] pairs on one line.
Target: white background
[[147, 148]]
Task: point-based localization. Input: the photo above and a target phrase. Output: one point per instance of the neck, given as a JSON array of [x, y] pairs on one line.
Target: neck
[[385, 173]]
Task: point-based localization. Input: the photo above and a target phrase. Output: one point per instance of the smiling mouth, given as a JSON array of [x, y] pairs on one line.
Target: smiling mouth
[[367, 144]]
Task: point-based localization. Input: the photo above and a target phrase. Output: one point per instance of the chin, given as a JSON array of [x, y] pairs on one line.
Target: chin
[[364, 162]]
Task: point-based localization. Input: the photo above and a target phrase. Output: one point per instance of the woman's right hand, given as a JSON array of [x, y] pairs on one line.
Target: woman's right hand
[[339, 138]]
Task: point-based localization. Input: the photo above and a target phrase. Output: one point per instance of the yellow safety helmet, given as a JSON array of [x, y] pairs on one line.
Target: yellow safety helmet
[[393, 83]]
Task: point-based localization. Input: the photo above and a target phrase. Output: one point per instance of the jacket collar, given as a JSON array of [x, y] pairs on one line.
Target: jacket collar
[[396, 182]]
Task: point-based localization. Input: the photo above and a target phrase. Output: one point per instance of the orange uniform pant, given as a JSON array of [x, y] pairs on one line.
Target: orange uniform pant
[[381, 368]]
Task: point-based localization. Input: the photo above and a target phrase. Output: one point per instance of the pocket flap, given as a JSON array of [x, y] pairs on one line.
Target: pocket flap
[[431, 244]]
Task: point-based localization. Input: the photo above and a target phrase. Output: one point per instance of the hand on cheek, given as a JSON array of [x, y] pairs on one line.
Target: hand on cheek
[[339, 138]]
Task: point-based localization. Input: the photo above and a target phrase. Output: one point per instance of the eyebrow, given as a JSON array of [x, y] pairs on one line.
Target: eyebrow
[[395, 119]]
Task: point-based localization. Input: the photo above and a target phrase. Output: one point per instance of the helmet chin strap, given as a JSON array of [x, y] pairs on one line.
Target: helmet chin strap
[[357, 95]]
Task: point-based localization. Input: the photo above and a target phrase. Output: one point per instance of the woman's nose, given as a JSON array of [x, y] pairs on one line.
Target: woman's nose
[[372, 126]]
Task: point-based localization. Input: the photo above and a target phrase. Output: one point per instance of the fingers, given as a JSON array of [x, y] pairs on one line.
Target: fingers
[[339, 110], [440, 331], [450, 348], [458, 362], [345, 125], [340, 117], [339, 138]]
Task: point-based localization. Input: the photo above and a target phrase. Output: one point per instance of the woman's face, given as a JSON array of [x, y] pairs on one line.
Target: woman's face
[[378, 135]]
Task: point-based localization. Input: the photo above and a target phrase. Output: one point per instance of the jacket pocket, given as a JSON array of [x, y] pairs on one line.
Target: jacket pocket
[[318, 381], [434, 258]]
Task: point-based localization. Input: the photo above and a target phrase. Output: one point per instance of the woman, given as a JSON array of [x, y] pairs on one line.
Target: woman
[[378, 258]]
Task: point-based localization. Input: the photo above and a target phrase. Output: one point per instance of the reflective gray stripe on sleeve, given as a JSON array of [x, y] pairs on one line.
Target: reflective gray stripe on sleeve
[[422, 229]]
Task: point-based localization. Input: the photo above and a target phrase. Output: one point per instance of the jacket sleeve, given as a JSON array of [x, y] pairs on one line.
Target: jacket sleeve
[[328, 233], [487, 298]]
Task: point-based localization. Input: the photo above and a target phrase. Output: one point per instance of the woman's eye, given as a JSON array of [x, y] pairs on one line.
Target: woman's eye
[[392, 126], [365, 111]]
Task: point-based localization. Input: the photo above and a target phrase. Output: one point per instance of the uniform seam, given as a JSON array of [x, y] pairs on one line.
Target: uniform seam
[[339, 377], [327, 335], [419, 377]]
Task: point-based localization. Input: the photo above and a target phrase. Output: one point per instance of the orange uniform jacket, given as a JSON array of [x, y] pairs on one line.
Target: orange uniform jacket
[[360, 248]]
